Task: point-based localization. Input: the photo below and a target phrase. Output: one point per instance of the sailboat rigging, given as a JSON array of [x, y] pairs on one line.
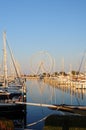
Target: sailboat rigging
[[5, 60], [16, 86]]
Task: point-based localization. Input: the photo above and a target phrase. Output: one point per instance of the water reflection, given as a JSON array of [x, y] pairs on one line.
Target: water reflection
[[40, 92]]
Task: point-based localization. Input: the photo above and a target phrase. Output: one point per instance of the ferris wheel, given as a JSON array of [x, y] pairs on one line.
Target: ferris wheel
[[41, 62]]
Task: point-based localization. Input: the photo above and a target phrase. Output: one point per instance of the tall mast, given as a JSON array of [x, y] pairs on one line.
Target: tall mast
[[5, 59]]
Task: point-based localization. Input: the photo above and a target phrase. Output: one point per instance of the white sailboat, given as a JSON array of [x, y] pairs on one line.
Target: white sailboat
[[10, 87]]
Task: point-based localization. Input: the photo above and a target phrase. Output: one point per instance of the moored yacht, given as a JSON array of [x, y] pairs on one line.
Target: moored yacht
[[10, 88]]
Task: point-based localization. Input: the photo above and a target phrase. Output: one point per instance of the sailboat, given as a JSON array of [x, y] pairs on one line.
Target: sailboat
[[10, 88]]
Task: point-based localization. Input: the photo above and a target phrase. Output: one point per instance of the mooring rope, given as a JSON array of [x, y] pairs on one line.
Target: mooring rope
[[34, 123], [42, 105]]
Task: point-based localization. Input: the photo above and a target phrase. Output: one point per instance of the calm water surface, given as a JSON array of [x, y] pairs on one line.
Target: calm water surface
[[39, 92]]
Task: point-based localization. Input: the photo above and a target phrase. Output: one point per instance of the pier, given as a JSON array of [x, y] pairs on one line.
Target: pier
[[65, 122]]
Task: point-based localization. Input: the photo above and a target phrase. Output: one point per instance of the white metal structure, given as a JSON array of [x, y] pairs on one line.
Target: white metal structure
[[41, 62]]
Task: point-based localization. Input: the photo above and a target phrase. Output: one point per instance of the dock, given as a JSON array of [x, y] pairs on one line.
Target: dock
[[65, 122]]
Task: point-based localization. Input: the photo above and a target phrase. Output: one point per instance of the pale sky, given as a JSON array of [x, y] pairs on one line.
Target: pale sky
[[55, 26]]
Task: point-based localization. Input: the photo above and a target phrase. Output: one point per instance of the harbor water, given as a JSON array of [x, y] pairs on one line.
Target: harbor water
[[42, 93], [39, 95]]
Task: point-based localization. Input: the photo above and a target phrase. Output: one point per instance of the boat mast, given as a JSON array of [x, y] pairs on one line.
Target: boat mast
[[5, 60]]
